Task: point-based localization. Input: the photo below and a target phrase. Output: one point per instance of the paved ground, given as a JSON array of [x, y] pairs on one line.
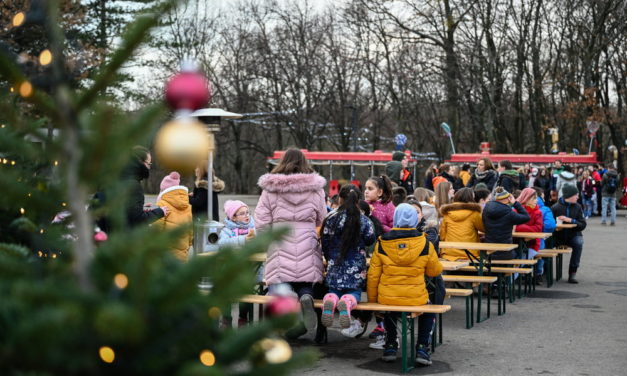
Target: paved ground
[[565, 330]]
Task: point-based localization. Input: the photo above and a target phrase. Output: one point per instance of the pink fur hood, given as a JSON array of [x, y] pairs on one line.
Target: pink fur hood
[[294, 183]]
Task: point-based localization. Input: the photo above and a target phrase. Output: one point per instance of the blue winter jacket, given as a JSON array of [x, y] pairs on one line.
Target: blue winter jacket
[[547, 219], [350, 274]]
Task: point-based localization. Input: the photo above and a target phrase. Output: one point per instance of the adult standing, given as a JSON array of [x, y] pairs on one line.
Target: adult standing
[[609, 187], [198, 198], [137, 170], [567, 210], [484, 173], [398, 172], [293, 195], [563, 178], [543, 181], [509, 178], [431, 172]]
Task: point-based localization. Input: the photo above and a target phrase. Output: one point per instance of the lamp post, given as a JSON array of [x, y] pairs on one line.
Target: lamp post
[[206, 233]]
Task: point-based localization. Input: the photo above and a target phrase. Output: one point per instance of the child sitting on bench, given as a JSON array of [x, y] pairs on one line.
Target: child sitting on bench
[[396, 276]]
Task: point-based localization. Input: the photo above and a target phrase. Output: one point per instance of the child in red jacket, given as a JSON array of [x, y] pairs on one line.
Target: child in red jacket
[[529, 200]]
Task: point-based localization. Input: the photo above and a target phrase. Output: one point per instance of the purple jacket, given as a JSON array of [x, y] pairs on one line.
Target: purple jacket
[[296, 200], [384, 213]]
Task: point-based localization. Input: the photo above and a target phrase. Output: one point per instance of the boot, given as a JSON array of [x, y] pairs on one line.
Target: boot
[[572, 273], [539, 280]]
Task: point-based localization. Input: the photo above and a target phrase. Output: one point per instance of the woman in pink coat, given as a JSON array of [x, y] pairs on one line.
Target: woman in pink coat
[[293, 195]]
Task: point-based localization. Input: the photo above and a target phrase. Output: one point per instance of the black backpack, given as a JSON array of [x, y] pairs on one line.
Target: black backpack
[[612, 185]]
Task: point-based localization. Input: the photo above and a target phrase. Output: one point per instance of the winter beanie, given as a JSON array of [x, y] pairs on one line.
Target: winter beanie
[[526, 194], [500, 193], [405, 216], [171, 180], [569, 190], [231, 207]]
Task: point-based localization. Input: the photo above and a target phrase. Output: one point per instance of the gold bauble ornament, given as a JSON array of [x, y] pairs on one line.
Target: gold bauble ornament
[[181, 145], [275, 351]]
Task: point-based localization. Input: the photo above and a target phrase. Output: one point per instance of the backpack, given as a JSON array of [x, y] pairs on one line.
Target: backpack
[[611, 185]]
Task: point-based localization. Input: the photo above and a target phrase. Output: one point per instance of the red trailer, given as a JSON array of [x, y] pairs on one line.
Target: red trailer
[[353, 159], [527, 158]]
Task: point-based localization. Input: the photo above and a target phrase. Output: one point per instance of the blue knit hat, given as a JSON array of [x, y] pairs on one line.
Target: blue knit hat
[[405, 216]]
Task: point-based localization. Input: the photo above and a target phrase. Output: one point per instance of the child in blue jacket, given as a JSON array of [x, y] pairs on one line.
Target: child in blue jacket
[[549, 225]]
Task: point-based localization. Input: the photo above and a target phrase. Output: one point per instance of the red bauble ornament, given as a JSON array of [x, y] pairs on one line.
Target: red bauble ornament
[[187, 91], [283, 305]]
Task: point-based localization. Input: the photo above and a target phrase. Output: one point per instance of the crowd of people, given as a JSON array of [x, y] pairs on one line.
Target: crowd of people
[[326, 253]]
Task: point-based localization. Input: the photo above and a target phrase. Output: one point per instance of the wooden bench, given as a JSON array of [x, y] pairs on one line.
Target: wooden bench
[[548, 257], [470, 307], [559, 261], [473, 281], [507, 271], [408, 350]]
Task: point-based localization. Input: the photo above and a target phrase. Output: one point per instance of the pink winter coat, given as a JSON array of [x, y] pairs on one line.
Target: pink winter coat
[[384, 213], [296, 200]]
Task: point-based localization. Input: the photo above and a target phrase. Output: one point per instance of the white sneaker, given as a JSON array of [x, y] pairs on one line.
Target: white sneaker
[[379, 345], [354, 330]]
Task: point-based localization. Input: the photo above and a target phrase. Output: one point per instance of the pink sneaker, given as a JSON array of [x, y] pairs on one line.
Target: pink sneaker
[[328, 309], [344, 306]]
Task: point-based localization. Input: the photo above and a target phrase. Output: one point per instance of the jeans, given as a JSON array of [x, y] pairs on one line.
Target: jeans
[[426, 322], [339, 293], [588, 207], [611, 201], [576, 243]]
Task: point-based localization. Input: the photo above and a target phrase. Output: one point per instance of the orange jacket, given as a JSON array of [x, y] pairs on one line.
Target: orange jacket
[[176, 199]]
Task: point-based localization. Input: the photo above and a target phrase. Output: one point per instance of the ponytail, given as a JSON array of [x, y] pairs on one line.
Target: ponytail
[[351, 232], [385, 185]]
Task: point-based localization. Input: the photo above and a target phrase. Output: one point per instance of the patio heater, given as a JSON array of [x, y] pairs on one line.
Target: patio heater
[[206, 232]]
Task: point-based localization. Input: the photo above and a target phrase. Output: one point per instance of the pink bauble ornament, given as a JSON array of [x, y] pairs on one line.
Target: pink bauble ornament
[[283, 305], [187, 91]]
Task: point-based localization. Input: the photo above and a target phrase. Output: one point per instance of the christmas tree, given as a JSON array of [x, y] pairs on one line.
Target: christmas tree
[[69, 305]]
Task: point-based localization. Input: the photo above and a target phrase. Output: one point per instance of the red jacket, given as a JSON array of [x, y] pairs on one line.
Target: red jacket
[[534, 224]]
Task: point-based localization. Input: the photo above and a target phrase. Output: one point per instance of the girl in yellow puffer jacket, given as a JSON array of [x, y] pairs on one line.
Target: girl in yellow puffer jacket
[[396, 276], [176, 198]]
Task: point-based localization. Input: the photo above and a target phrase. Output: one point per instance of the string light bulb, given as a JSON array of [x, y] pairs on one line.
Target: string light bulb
[[120, 280], [22, 211], [19, 19], [45, 57], [26, 89], [106, 354], [207, 358]]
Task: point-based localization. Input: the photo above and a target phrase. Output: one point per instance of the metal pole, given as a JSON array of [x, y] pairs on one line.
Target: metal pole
[[210, 178], [354, 128], [450, 137], [590, 146]]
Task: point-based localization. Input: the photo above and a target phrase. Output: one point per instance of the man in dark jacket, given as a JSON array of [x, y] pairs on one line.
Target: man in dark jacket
[[609, 187], [509, 178], [397, 171], [499, 220], [567, 210], [135, 172]]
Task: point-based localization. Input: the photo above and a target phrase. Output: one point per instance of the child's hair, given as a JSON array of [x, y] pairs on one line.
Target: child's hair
[[415, 203], [399, 194], [350, 196], [539, 192], [335, 199], [481, 194], [506, 164], [293, 162], [423, 194], [516, 193], [365, 208], [385, 185], [441, 194], [464, 195]]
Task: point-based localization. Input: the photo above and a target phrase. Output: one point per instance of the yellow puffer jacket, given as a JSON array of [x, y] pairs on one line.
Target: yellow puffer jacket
[[460, 223], [176, 199], [398, 266], [465, 176]]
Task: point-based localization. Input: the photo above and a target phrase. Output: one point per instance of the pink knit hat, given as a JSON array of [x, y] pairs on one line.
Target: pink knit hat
[[526, 194], [232, 206], [171, 180]]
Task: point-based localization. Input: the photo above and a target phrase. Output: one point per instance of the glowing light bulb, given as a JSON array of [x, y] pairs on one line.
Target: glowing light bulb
[[45, 57], [22, 211], [106, 354], [120, 281], [26, 89], [207, 358], [19, 19]]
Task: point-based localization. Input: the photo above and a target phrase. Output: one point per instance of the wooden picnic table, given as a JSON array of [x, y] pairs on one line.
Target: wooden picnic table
[[563, 226], [531, 235], [485, 249]]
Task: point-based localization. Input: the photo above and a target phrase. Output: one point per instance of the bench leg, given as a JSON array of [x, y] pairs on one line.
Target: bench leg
[[404, 353], [440, 330], [558, 267], [468, 312], [548, 269], [499, 284]]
